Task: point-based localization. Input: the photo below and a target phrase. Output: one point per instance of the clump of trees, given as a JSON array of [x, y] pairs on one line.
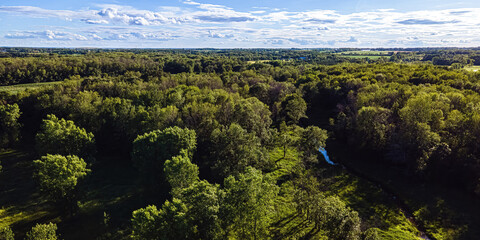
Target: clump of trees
[[58, 177], [152, 149], [60, 136], [9, 125], [43, 232]]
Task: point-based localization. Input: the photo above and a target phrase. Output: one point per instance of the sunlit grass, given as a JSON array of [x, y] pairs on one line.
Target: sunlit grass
[[285, 162], [13, 89], [472, 68], [11, 215], [376, 208]]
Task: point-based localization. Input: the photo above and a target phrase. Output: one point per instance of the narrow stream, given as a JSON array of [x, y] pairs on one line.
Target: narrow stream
[[407, 212]]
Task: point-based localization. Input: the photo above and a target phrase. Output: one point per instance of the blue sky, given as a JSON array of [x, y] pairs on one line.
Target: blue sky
[[240, 24]]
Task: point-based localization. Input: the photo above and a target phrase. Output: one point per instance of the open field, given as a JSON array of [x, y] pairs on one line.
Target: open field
[[472, 68], [13, 89]]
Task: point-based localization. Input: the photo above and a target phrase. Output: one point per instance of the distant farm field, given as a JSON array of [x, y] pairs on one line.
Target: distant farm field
[[365, 54]]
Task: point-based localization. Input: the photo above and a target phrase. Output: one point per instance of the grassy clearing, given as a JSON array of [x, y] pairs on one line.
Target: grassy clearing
[[375, 207], [472, 68], [445, 212], [14, 89], [285, 162]]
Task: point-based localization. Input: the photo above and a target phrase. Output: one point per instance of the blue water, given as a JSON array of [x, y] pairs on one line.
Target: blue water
[[325, 155]]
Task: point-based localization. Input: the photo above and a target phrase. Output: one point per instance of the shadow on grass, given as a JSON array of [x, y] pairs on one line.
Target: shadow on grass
[[111, 190]]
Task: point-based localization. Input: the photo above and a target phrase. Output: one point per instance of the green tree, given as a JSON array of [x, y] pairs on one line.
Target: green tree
[[312, 138], [253, 115], [60, 136], [234, 149], [9, 126], [249, 203], [58, 177], [6, 233], [152, 149], [43, 232], [203, 202], [332, 215], [293, 108], [169, 222], [373, 126], [180, 172]]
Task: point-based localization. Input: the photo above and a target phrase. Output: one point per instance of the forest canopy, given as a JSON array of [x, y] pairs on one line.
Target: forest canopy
[[224, 144]]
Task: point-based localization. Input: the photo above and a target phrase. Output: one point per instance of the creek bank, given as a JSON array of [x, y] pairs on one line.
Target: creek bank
[[401, 204]]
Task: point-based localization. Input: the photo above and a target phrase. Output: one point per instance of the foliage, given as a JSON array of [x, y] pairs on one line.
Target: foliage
[[312, 139], [59, 175], [43, 232], [152, 149], [6, 233], [180, 173], [203, 201], [249, 204], [293, 107], [234, 149], [332, 215], [224, 110], [60, 136], [169, 222], [9, 125]]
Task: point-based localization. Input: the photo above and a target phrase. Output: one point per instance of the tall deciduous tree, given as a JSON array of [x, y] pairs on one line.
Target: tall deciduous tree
[[169, 222], [43, 232], [312, 138], [293, 108], [203, 201], [59, 175], [6, 233], [249, 202], [234, 149], [331, 215], [152, 149], [60, 136], [180, 172], [9, 126]]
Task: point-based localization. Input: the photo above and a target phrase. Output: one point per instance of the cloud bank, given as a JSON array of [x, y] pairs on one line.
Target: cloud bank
[[196, 24]]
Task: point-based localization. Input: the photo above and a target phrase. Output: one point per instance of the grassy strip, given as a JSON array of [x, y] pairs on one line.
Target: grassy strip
[[472, 68], [14, 89]]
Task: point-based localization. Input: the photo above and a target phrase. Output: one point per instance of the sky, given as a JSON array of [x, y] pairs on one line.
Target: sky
[[240, 24]]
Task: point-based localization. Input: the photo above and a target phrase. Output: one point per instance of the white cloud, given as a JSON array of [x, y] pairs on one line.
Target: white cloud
[[199, 23], [48, 34]]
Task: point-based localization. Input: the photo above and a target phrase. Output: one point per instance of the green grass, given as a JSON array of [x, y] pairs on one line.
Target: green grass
[[284, 165], [453, 213], [374, 55], [363, 56], [13, 89], [375, 207], [20, 201], [472, 68], [366, 53]]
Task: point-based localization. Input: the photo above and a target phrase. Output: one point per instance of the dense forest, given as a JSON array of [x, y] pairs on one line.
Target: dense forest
[[224, 144]]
